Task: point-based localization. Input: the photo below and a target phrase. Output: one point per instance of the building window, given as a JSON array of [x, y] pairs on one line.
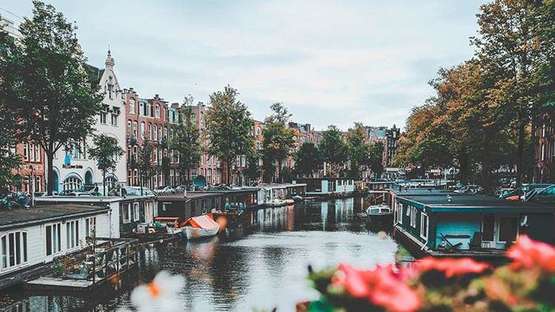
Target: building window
[[103, 117], [424, 225], [157, 115], [143, 129], [72, 183], [13, 249], [53, 238], [72, 234], [90, 227], [114, 120], [132, 106], [136, 212]]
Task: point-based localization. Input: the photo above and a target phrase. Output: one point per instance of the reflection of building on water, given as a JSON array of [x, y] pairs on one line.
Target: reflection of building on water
[[45, 303], [276, 218], [344, 210]]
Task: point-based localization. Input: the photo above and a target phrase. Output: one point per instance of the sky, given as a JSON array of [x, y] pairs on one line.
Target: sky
[[329, 62]]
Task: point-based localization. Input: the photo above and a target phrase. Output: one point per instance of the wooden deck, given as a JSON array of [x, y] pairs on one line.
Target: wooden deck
[[47, 282]]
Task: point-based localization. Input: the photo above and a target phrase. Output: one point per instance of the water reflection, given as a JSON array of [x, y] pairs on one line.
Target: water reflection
[[263, 269]]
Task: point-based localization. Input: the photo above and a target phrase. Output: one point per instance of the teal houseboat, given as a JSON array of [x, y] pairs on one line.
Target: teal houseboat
[[455, 225]]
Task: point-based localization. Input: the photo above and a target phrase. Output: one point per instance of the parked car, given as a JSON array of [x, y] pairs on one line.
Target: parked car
[[165, 190]]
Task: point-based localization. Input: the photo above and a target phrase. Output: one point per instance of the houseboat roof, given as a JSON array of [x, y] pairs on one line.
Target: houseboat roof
[[90, 199], [449, 202], [204, 194], [281, 186], [45, 213]]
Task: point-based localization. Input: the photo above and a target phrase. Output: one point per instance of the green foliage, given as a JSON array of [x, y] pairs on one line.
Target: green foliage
[[229, 127], [334, 150], [9, 160], [253, 170], [186, 141], [44, 82], [106, 151], [358, 149], [307, 160], [375, 156], [278, 139]]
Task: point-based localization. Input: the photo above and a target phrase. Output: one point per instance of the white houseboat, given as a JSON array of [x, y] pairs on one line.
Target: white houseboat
[[35, 236]]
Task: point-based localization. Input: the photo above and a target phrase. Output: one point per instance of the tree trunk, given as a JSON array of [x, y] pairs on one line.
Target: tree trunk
[[520, 151], [50, 170], [279, 172], [103, 182]]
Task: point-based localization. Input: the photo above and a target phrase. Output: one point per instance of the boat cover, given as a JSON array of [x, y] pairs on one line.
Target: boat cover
[[205, 221]]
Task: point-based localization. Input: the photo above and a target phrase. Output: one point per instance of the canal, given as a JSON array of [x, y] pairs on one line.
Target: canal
[[263, 268]]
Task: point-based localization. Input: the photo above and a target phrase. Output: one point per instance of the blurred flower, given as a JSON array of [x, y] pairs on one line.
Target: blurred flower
[[451, 267], [159, 295], [496, 289], [528, 253], [381, 286]]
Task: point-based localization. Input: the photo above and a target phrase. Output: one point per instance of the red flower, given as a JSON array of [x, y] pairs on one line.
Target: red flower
[[528, 253], [451, 267], [381, 286]]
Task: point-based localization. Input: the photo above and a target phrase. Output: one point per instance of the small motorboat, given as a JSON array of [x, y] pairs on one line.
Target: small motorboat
[[200, 227], [381, 210], [297, 198]]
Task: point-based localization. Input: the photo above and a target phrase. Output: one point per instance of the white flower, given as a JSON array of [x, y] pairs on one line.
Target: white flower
[[162, 294]]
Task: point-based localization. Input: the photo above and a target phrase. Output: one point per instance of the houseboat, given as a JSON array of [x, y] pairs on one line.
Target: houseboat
[[328, 187], [127, 212], [192, 204], [276, 195], [456, 225], [31, 238]]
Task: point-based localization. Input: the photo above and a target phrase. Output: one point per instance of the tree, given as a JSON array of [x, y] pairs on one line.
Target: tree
[[106, 151], [516, 40], [358, 149], [375, 156], [333, 150], [144, 163], [229, 128], [278, 139], [252, 172], [9, 161], [44, 82], [307, 160], [185, 141]]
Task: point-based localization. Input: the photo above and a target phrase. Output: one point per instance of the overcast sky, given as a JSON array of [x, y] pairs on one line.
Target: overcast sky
[[330, 62]]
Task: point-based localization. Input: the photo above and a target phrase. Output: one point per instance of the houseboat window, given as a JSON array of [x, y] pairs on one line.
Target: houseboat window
[[90, 226], [125, 211], [13, 248], [72, 234], [413, 217], [53, 238], [423, 225], [488, 224], [508, 228], [136, 211]]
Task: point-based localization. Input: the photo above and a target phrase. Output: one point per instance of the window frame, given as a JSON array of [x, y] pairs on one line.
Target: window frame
[[424, 231]]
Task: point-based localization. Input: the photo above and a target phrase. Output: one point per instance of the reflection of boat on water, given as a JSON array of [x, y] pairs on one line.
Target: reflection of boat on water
[[200, 227]]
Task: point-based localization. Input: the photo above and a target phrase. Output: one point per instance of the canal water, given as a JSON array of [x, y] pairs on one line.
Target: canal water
[[262, 269]]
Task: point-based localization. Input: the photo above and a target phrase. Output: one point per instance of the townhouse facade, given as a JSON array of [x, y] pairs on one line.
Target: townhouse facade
[[147, 123], [73, 168], [209, 167], [390, 145]]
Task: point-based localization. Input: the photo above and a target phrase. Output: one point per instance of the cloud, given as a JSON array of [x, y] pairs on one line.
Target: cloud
[[330, 62]]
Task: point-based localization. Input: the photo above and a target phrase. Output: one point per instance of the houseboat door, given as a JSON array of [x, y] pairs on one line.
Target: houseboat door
[[497, 231]]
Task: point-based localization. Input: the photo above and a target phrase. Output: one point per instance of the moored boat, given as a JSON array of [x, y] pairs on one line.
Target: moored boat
[[200, 227], [381, 210]]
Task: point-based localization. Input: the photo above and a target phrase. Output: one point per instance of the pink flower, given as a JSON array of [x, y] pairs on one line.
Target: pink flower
[[450, 266], [381, 286], [528, 253]]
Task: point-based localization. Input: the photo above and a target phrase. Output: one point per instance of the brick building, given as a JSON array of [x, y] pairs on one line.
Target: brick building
[[147, 123]]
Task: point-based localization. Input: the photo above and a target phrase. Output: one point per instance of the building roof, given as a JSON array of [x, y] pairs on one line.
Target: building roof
[[45, 213], [448, 202]]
